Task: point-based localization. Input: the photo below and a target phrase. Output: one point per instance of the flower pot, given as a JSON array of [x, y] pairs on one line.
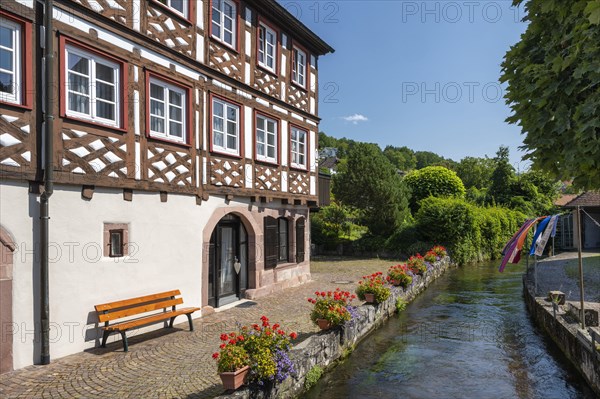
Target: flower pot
[[234, 379], [370, 298], [324, 324]]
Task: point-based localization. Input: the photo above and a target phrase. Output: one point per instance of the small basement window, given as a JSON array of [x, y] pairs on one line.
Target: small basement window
[[116, 240]]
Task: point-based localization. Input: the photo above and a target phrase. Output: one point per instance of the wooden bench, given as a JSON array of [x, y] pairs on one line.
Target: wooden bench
[[108, 313]]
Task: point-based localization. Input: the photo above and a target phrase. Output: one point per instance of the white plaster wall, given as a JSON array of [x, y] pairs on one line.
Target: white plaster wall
[[18, 209], [167, 254]]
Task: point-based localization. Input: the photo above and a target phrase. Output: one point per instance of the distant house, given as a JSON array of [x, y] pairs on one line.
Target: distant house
[[329, 164], [567, 231]]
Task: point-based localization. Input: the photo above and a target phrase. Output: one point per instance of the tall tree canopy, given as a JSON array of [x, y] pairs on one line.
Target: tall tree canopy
[[475, 172], [402, 158], [553, 76], [369, 182]]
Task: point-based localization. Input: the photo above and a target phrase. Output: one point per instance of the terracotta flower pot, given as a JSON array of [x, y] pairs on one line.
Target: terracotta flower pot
[[324, 324], [370, 298], [234, 379]]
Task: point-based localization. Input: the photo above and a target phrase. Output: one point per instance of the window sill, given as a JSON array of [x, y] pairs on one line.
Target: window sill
[[285, 265], [264, 161], [95, 124], [20, 106], [299, 87], [298, 169], [167, 141], [227, 46], [174, 13], [265, 69], [228, 154]]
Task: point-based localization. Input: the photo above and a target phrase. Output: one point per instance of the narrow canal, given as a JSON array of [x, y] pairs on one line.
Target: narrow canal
[[467, 336]]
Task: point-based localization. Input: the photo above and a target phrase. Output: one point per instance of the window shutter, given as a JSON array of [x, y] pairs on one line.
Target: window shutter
[[300, 240], [270, 248]]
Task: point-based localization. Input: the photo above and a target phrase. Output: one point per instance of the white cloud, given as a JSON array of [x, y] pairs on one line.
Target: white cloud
[[355, 118]]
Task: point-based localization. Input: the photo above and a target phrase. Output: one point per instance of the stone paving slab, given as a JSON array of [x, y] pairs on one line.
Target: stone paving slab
[[177, 363]]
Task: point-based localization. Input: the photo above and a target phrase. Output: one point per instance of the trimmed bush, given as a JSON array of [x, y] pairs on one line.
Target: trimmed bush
[[434, 181], [471, 233]]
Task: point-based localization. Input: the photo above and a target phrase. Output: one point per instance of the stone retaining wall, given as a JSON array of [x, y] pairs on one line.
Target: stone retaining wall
[[566, 334], [325, 348]]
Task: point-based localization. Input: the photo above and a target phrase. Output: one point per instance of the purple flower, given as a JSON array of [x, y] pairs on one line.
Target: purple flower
[[285, 367]]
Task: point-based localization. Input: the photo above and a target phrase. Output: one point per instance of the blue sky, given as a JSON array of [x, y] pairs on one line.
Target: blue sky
[[423, 74]]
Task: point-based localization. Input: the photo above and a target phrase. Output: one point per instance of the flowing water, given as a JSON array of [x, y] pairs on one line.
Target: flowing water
[[467, 336]]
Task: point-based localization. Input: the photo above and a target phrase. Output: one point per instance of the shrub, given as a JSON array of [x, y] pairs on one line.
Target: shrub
[[373, 284], [400, 275], [471, 233], [313, 376], [400, 304]]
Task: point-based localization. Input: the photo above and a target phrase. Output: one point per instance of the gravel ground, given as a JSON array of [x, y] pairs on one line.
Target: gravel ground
[[561, 272]]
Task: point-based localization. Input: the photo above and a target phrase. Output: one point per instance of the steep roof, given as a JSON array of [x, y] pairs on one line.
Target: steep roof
[[589, 198], [276, 12], [565, 199], [329, 162]]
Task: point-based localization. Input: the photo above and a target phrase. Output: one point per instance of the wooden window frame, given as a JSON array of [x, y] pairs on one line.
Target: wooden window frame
[[306, 148], [222, 149], [287, 240], [300, 242], [263, 65], [187, 131], [266, 159], [121, 99], [110, 228], [25, 58], [297, 47], [236, 25], [188, 11]]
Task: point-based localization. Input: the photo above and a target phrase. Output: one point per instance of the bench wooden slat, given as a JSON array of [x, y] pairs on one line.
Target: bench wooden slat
[[134, 301], [148, 305], [119, 314], [126, 325]]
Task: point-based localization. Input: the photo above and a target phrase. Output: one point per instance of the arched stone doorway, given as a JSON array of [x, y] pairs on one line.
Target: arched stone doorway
[[227, 261], [7, 247]]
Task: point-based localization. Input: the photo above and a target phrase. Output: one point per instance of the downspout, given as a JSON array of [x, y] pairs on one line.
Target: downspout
[[48, 134]]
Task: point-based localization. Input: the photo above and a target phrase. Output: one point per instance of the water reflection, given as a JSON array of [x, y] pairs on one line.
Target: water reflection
[[467, 336]]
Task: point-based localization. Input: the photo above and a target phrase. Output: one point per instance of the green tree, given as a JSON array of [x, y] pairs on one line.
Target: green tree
[[428, 158], [503, 176], [369, 182], [436, 181], [402, 158], [553, 76], [475, 172]]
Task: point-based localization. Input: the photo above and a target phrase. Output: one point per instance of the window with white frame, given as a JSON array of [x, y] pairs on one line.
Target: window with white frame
[[267, 47], [266, 139], [299, 67], [179, 6], [225, 126], [167, 110], [92, 87], [224, 24], [298, 147], [10, 61]]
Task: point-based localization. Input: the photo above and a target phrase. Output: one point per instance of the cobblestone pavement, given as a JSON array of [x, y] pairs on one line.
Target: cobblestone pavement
[[176, 363], [561, 272]]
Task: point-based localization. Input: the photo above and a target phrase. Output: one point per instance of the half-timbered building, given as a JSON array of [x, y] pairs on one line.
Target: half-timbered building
[[184, 151]]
